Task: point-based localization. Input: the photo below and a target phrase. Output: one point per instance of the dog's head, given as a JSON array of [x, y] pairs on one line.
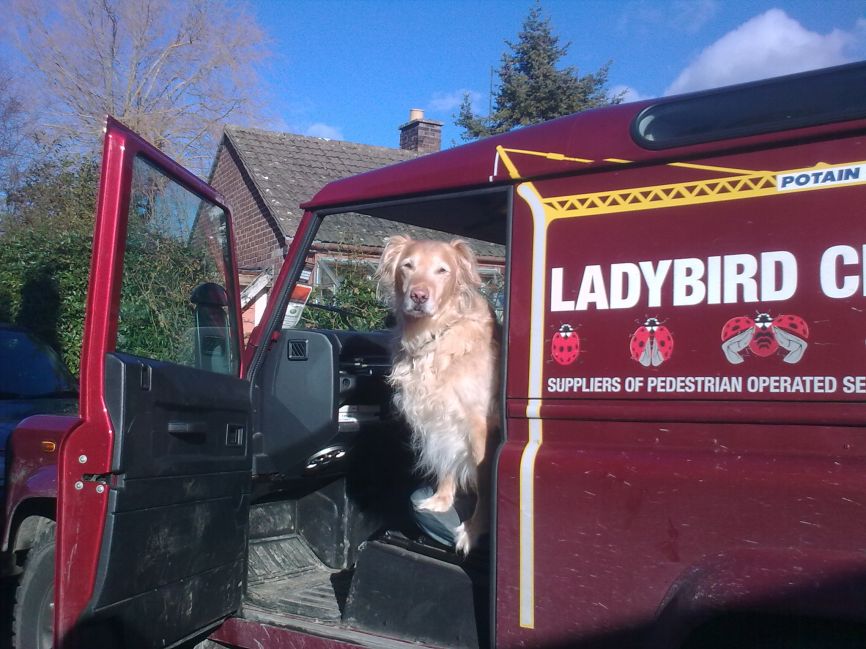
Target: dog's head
[[423, 278]]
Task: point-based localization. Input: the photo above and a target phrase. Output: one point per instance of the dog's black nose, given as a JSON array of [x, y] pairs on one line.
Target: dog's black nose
[[419, 295]]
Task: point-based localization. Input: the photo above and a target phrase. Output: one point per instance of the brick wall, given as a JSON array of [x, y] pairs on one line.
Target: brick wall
[[259, 241], [421, 135]]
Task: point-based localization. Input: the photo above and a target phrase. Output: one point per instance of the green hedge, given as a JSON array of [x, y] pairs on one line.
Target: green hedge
[[45, 247]]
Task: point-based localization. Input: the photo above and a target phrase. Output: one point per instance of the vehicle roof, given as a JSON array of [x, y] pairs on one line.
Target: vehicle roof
[[589, 140], [476, 164]]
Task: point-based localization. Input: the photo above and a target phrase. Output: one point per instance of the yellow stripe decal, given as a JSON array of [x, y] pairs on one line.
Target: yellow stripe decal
[[742, 184], [536, 364]]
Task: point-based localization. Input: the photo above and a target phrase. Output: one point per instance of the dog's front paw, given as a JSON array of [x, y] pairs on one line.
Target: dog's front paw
[[462, 540], [436, 503]]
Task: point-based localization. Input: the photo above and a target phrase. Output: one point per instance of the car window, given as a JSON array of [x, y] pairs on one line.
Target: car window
[[175, 300], [29, 368]]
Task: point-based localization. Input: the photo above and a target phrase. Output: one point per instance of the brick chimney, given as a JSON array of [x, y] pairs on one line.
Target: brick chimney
[[419, 134]]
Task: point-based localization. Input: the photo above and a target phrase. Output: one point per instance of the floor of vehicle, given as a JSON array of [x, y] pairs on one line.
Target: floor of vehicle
[[286, 577], [399, 591]]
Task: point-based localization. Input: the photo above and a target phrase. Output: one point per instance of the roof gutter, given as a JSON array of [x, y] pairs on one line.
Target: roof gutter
[[377, 250]]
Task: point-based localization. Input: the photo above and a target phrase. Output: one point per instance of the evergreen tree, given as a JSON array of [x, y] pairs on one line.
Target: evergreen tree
[[531, 88]]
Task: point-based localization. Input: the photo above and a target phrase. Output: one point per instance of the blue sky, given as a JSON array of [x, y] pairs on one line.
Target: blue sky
[[352, 69]]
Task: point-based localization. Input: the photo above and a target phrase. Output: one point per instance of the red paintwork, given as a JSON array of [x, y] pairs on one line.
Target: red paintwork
[[596, 136], [655, 509], [32, 472], [81, 512], [655, 505], [651, 509]]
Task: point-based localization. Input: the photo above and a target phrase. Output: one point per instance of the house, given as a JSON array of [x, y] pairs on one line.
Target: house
[[266, 175]]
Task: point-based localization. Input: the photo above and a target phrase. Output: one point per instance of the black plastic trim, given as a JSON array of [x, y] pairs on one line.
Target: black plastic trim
[[796, 101]]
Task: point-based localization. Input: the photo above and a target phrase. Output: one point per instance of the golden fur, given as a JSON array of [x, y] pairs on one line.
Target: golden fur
[[445, 371]]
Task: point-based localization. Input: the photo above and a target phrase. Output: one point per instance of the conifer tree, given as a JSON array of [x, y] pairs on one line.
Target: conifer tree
[[531, 88]]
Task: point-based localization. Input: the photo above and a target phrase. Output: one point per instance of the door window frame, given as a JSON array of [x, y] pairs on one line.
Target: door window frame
[[85, 454]]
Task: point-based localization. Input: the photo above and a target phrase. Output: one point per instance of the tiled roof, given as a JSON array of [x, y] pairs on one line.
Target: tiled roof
[[288, 169]]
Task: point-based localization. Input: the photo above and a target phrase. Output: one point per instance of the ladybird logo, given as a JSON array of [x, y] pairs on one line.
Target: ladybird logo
[[764, 336], [652, 343], [565, 346]]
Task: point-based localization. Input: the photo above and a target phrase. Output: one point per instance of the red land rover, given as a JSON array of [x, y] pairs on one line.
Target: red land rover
[[689, 473]]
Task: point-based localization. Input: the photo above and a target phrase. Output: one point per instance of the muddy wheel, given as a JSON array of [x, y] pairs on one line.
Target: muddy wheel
[[33, 617]]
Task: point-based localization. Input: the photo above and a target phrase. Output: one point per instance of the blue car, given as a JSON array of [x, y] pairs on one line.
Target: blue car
[[33, 380]]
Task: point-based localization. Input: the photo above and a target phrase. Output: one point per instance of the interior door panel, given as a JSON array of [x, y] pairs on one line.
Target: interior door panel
[[175, 536], [154, 484]]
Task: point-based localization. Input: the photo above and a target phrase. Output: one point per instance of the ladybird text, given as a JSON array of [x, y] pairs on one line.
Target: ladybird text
[[724, 279]]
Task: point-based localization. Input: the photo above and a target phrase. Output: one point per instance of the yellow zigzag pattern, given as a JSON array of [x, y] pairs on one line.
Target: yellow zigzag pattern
[[742, 184], [642, 198]]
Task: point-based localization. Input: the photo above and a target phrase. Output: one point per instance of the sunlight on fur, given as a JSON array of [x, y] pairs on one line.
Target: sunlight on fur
[[445, 371]]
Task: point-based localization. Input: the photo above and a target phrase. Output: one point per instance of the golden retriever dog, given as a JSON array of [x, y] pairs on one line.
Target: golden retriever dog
[[445, 371]]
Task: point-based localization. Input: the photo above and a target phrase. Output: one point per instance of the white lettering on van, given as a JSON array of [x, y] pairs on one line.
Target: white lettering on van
[[729, 279], [688, 285], [778, 276], [836, 280], [655, 277], [740, 272], [819, 178], [557, 303], [624, 285], [592, 290]]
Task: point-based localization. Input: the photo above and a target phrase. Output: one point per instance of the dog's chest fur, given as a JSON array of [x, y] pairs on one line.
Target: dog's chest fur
[[442, 381]]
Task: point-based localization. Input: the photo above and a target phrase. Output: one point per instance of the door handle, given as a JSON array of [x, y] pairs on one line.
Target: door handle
[[187, 427]]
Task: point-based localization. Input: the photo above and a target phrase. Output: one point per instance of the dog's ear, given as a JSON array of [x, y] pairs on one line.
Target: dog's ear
[[467, 269], [387, 269]]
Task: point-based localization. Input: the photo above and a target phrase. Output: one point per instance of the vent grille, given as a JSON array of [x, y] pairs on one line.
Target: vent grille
[[297, 350]]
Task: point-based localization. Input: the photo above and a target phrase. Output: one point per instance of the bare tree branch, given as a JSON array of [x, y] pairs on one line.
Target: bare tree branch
[[13, 127], [175, 70]]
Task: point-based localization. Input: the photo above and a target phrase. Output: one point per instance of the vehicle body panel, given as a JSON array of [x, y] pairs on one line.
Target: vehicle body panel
[[93, 465], [637, 494], [32, 470], [590, 141], [14, 412], [33, 381], [633, 492], [630, 509]]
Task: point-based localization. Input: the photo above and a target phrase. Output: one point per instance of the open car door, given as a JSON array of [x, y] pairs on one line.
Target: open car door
[[154, 483]]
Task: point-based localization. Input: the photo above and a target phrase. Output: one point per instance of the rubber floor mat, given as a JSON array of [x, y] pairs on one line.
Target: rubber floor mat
[[286, 577]]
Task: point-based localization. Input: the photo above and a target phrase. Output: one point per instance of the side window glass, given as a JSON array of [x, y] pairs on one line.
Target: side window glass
[[174, 305], [341, 273], [344, 294]]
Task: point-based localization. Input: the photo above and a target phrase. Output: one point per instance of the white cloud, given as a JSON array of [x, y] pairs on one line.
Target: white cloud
[[325, 131], [768, 45], [450, 101]]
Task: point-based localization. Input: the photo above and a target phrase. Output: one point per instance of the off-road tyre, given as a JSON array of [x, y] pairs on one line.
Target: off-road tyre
[[33, 616]]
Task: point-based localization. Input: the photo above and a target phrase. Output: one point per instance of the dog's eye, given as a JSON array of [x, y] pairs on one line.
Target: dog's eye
[[441, 270], [408, 265]]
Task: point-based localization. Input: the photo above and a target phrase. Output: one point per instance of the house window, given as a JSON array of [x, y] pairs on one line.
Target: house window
[[493, 288], [350, 285], [332, 272], [344, 295]]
